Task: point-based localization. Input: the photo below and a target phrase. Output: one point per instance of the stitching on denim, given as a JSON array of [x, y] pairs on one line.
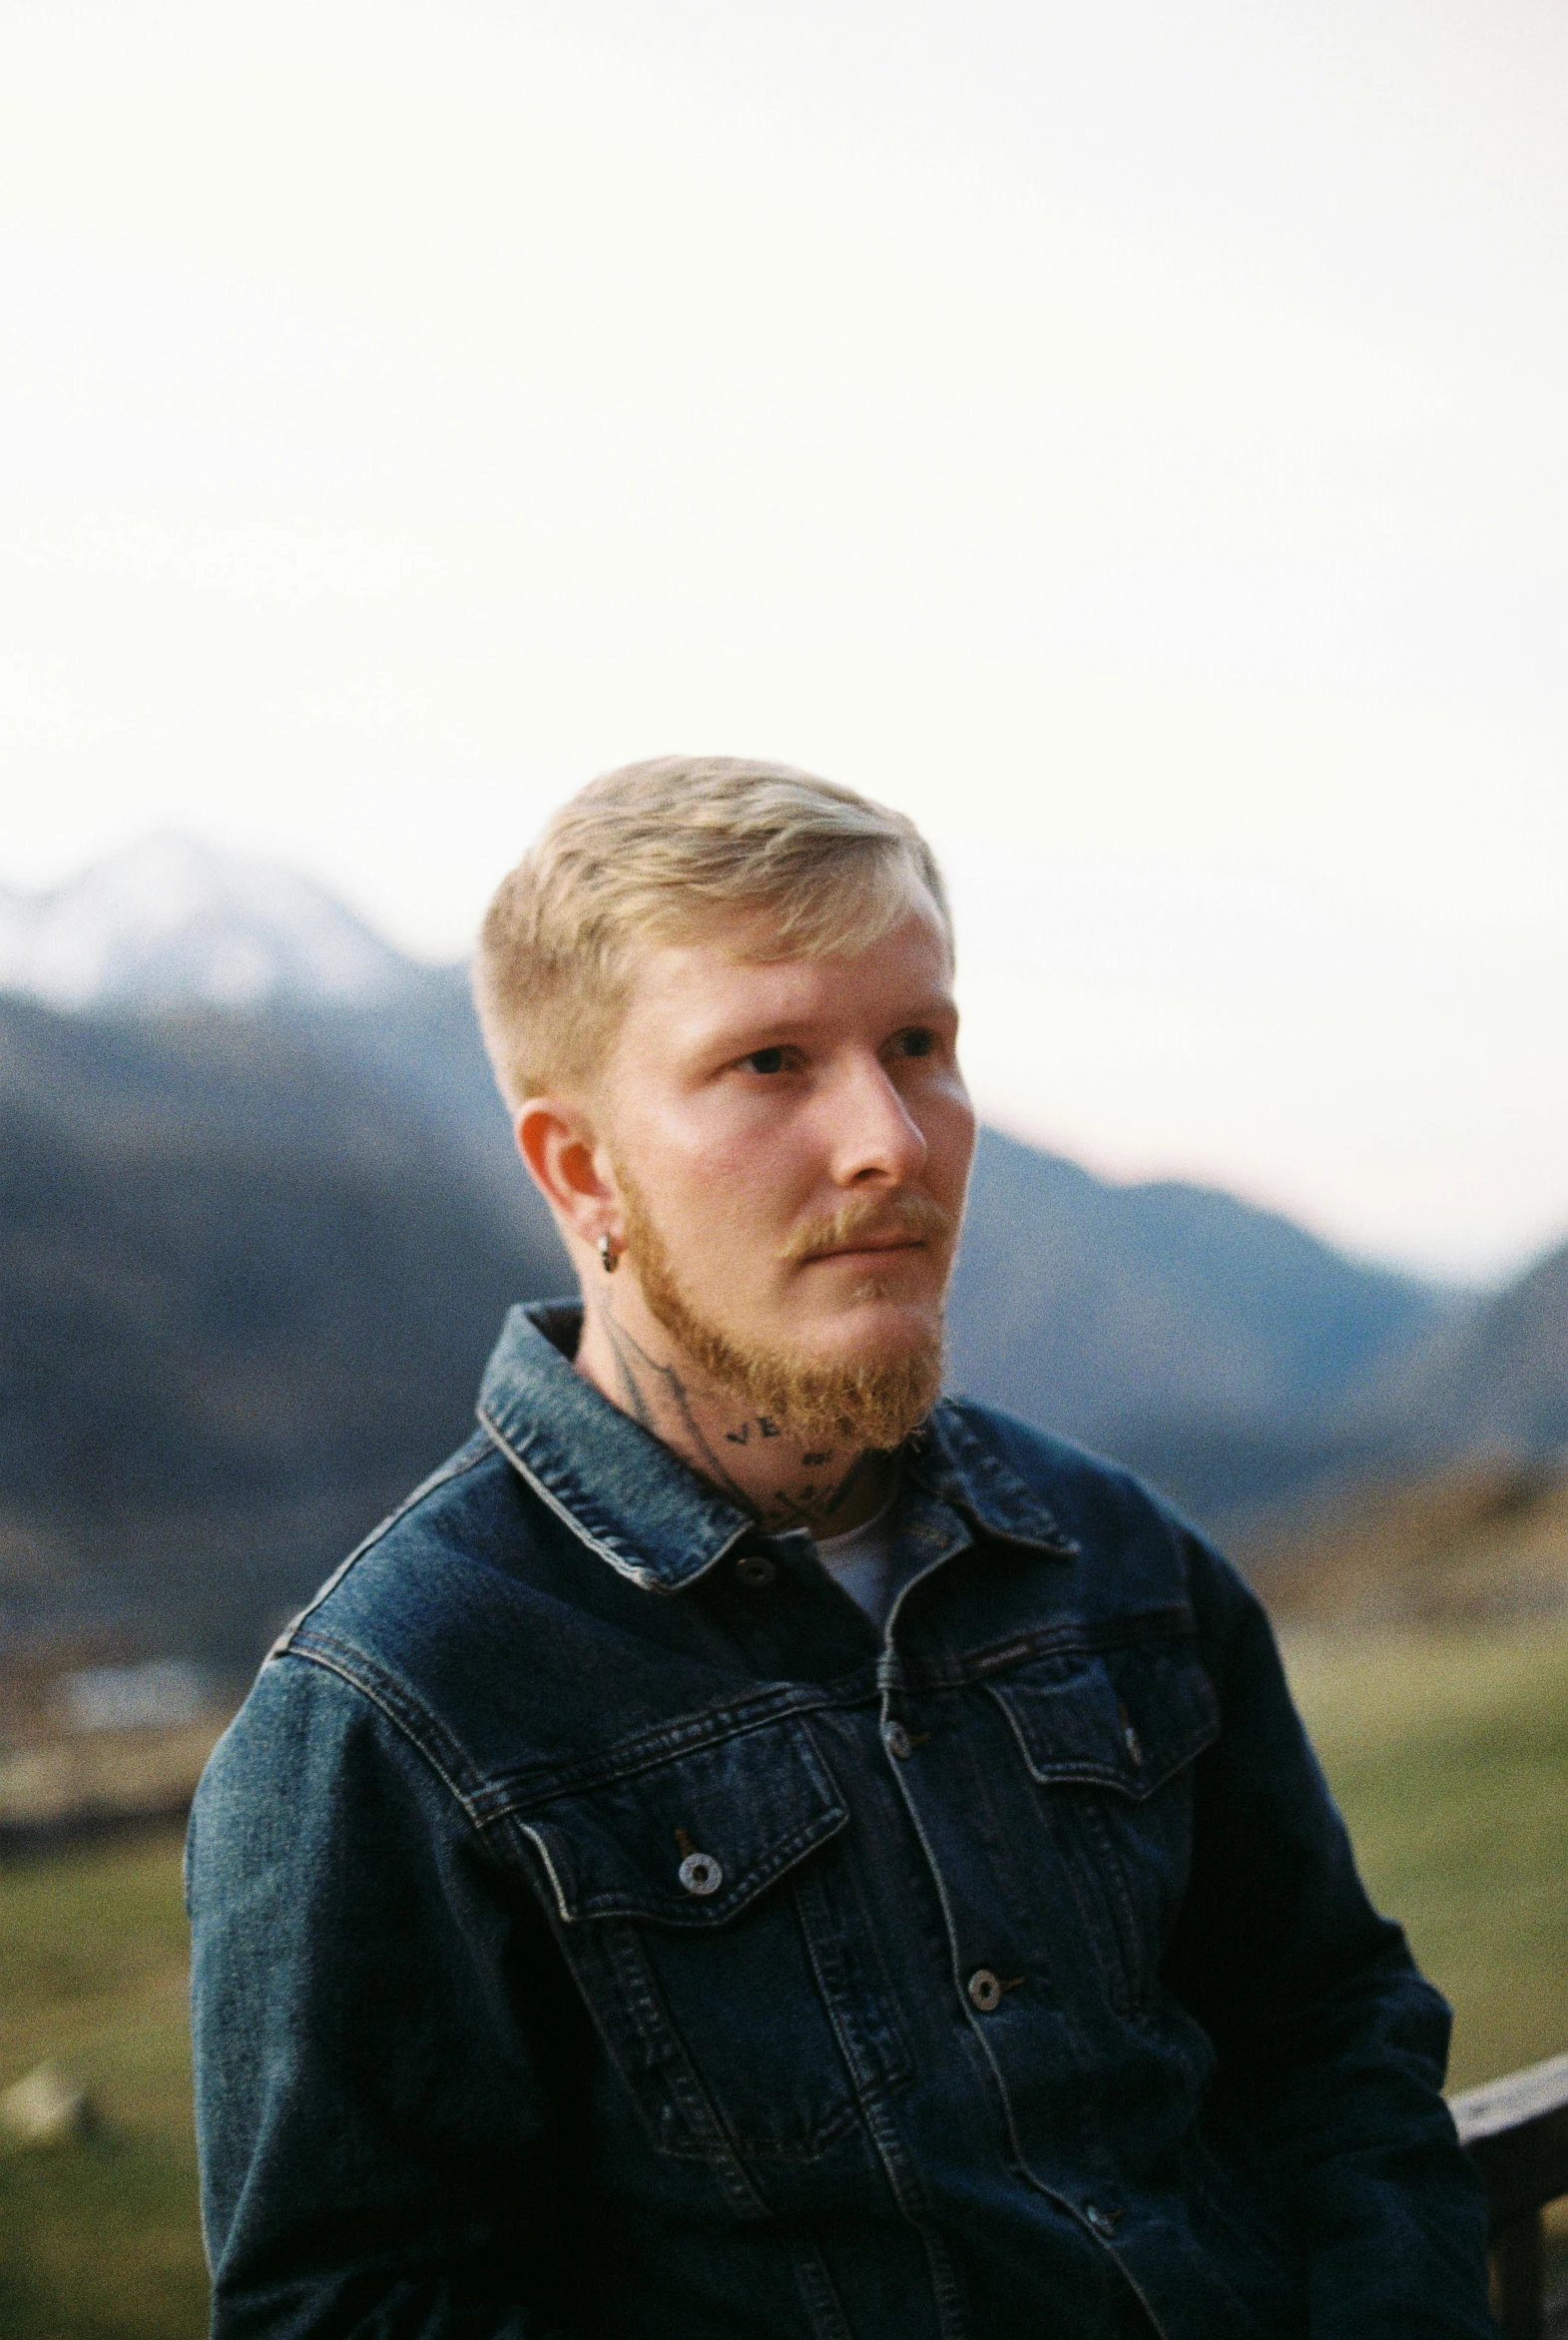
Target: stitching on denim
[[944, 2286], [518, 1419], [703, 1917], [1131, 1628], [488, 1797], [637, 1570], [1082, 1771], [643, 1574], [670, 2058], [652, 1749], [388, 1697], [966, 1450], [955, 1967], [817, 2290], [612, 1959], [550, 1871], [797, 2150], [943, 2273], [870, 2067], [664, 2034], [1087, 1771], [905, 2177], [488, 1800], [1116, 1894], [613, 1946], [1169, 1621]]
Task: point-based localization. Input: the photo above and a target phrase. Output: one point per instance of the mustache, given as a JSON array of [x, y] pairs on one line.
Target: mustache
[[871, 1218]]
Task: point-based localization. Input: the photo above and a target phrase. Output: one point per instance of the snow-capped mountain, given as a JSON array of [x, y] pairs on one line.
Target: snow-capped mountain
[[169, 922]]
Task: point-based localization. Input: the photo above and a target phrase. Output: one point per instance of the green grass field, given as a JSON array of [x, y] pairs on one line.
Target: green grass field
[[98, 2238], [1449, 1754], [1449, 1757]]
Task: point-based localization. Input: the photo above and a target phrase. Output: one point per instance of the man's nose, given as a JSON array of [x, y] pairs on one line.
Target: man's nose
[[873, 1139]]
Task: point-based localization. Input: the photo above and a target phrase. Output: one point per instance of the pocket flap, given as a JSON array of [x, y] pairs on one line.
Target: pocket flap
[[689, 1841], [1128, 1719]]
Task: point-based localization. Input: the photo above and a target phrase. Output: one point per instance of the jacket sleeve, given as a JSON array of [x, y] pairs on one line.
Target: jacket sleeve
[[374, 2120], [1332, 2047]]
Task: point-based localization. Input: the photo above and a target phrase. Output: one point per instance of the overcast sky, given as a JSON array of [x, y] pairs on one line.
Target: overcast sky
[[1130, 437]]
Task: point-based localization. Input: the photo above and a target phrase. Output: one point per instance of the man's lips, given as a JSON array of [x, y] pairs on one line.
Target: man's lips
[[869, 1232], [870, 1243]]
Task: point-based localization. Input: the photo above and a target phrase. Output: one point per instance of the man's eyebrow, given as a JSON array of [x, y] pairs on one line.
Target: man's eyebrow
[[740, 1038], [929, 1009]]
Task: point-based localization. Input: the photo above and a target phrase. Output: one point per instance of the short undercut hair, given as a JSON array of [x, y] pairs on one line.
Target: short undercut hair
[[666, 852]]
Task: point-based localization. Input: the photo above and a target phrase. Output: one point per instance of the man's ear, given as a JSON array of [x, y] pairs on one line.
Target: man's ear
[[569, 1165]]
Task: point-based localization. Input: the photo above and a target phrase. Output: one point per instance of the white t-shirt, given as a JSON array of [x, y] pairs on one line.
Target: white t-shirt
[[861, 1562]]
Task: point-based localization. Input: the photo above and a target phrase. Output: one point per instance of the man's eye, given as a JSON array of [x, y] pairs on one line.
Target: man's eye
[[916, 1043], [765, 1060]]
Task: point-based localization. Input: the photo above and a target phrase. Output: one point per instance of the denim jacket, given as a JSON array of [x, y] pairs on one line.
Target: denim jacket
[[602, 1932]]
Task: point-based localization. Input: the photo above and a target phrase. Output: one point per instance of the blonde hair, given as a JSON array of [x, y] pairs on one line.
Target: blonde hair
[[663, 852]]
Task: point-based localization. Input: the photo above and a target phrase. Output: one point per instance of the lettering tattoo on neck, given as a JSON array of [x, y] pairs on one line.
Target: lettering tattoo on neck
[[655, 1395]]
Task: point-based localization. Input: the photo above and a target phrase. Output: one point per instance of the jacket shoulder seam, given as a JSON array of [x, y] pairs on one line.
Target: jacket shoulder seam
[[433, 1743], [454, 1467]]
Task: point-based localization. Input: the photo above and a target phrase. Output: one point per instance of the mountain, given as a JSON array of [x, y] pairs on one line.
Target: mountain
[[246, 1289], [252, 1255], [1209, 1344], [170, 922], [1494, 1381]]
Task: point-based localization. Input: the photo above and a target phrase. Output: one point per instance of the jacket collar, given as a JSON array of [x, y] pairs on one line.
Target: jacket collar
[[963, 1470], [633, 1500]]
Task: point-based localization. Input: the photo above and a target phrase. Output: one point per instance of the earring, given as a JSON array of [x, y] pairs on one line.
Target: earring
[[609, 1256]]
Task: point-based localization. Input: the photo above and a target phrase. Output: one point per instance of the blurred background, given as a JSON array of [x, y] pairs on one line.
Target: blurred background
[[1129, 439]]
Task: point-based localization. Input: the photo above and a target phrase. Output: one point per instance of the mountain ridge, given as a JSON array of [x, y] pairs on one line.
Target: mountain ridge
[[169, 922], [252, 1255]]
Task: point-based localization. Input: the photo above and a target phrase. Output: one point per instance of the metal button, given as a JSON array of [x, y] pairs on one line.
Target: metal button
[[701, 1873], [1103, 2221], [985, 1992], [756, 1570], [899, 1742]]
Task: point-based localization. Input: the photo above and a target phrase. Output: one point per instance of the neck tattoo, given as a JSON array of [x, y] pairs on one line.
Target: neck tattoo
[[748, 1457]]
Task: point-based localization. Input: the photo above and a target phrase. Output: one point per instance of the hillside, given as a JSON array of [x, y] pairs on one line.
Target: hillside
[[1475, 1543], [1493, 1381], [253, 1257], [250, 1265], [246, 1292], [1209, 1344], [1212, 1345]]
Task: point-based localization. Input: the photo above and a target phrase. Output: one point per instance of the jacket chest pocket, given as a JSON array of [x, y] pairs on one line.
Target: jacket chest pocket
[[1110, 1739], [714, 1932]]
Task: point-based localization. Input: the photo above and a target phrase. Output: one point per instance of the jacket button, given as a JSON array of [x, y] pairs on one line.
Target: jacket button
[[898, 1741], [985, 1992], [756, 1570], [701, 1873]]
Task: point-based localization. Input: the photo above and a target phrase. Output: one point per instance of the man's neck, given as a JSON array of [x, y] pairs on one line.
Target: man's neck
[[635, 1362]]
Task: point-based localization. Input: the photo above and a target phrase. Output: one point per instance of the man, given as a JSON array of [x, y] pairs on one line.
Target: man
[[755, 1847]]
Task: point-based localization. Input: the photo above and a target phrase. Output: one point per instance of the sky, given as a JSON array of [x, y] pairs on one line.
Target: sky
[[1129, 438]]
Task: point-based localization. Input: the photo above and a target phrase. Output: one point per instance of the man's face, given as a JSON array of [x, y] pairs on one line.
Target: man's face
[[793, 1138]]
